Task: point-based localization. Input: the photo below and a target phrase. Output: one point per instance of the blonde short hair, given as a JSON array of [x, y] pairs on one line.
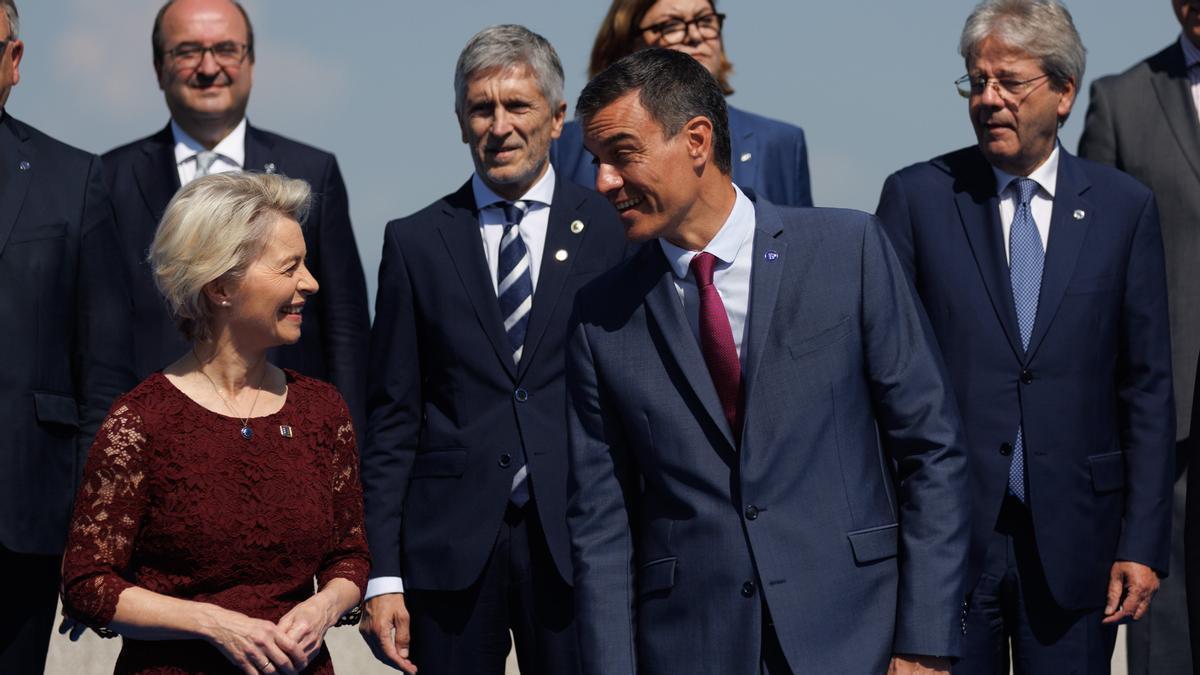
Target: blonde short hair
[[213, 229]]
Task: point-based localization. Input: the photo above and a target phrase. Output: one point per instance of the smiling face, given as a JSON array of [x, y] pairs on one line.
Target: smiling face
[[1188, 14], [208, 91], [705, 50], [1015, 133], [651, 180], [265, 305], [508, 124]]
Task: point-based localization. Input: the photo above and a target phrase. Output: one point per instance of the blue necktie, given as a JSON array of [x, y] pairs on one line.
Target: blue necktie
[[514, 289], [1026, 260]]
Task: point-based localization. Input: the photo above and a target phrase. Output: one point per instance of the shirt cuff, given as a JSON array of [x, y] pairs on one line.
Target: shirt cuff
[[383, 586]]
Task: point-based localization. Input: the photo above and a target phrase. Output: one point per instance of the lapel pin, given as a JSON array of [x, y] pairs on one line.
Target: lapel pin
[[24, 165], [746, 156], [771, 256], [1079, 214], [576, 226], [269, 167], [285, 431], [560, 255]]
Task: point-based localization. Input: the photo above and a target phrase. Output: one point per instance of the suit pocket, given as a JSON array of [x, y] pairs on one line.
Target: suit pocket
[[21, 235], [1105, 283], [820, 339], [56, 409], [874, 543], [1108, 471], [656, 575], [440, 463]]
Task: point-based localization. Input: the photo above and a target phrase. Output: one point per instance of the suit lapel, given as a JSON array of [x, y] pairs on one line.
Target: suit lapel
[[765, 278], [460, 233], [979, 210], [14, 149], [1067, 233], [745, 149], [553, 273], [260, 152], [1175, 96], [157, 174], [666, 311]]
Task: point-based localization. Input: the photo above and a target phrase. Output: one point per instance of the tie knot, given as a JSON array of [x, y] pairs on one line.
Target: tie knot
[[1026, 187], [702, 266], [514, 212], [204, 161]]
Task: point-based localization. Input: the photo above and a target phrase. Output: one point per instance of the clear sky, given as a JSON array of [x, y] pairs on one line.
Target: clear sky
[[870, 82]]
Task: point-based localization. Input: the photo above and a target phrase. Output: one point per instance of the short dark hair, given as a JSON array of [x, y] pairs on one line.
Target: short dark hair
[[672, 86], [156, 36]]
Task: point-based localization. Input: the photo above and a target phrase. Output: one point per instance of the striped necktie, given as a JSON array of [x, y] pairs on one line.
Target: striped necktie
[[1026, 260], [514, 290]]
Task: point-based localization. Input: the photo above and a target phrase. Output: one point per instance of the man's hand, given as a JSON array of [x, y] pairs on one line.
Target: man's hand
[[384, 626], [1130, 587], [906, 664]]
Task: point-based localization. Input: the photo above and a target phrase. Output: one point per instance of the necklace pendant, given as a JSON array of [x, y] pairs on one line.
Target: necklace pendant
[[247, 432]]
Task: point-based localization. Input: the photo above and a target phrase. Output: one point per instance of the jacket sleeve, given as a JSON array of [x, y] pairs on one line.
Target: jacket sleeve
[[1099, 140]]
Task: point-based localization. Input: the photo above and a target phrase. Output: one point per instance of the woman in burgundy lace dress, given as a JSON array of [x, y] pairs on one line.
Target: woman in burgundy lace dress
[[219, 488]]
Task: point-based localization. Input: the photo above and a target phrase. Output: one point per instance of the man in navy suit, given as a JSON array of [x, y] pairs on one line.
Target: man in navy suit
[[204, 57], [465, 460], [767, 473], [65, 320], [1042, 275]]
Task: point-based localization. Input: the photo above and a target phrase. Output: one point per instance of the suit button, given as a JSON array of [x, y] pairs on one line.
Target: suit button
[[521, 395], [748, 589], [505, 460], [751, 512], [1026, 377], [1006, 449]]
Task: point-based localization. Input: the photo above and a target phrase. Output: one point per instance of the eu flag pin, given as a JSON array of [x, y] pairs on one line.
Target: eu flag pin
[[771, 256], [1079, 214], [576, 226], [285, 431]]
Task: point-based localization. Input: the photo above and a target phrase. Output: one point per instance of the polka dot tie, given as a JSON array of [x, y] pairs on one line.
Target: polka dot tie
[[1026, 260]]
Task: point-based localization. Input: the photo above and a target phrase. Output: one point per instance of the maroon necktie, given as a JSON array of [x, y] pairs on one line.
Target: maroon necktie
[[716, 340]]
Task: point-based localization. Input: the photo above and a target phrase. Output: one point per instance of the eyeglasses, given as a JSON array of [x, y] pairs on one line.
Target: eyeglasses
[[1006, 87], [224, 53], [674, 31]]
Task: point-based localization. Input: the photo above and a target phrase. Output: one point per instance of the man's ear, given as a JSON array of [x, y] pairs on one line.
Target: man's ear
[[698, 134]]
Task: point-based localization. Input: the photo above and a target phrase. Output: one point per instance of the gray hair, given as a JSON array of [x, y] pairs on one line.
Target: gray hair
[[1041, 27], [214, 228], [14, 21], [508, 46]]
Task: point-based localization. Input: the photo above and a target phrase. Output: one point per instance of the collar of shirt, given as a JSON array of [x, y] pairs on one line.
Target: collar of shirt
[[737, 230], [541, 193], [1191, 53], [1046, 175], [232, 148]]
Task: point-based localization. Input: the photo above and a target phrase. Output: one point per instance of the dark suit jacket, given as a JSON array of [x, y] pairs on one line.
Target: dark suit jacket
[[1093, 392], [1144, 122], [448, 408], [844, 501], [65, 318], [142, 178], [769, 157]]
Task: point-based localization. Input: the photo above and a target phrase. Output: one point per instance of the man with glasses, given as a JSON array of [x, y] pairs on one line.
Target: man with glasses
[[1145, 121], [65, 320], [1042, 275], [204, 57]]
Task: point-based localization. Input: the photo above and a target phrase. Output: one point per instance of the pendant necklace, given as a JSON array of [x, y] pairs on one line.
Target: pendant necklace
[[247, 432]]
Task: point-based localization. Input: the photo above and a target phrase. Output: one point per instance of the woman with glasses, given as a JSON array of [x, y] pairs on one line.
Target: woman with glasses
[[769, 156]]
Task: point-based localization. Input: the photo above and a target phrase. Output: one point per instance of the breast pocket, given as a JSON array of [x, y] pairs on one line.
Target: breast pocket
[[24, 235], [820, 339]]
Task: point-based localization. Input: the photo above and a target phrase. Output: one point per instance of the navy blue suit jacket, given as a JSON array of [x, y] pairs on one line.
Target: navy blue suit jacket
[[65, 318], [844, 501], [142, 178], [769, 157], [448, 408], [1093, 391]]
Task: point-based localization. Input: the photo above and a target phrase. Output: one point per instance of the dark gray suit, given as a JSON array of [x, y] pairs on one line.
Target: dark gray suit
[[1144, 122], [843, 507]]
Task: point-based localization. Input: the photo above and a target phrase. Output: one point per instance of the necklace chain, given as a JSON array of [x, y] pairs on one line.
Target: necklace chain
[[245, 420]]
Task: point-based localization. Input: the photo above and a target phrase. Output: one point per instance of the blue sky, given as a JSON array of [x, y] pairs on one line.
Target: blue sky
[[870, 82]]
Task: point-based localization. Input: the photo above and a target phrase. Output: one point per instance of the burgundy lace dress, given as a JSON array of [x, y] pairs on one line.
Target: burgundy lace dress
[[174, 500]]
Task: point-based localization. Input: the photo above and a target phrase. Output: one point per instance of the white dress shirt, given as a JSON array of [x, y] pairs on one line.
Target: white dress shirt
[[231, 152], [1191, 57], [1042, 204], [491, 228], [734, 249]]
